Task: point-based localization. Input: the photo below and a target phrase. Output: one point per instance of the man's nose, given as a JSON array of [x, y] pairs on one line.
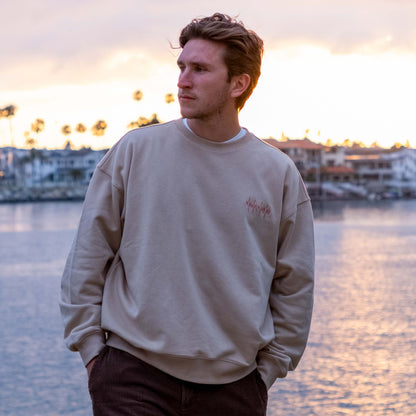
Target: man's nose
[[184, 80]]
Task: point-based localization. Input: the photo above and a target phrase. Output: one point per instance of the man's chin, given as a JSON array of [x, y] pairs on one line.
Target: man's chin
[[188, 114]]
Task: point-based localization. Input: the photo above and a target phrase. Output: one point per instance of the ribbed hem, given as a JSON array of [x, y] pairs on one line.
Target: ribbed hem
[[195, 370]]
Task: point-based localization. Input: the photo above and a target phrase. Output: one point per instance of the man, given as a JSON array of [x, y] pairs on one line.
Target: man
[[189, 286]]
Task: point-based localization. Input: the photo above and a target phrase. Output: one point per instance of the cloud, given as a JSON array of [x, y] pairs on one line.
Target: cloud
[[53, 41], [74, 41], [343, 26]]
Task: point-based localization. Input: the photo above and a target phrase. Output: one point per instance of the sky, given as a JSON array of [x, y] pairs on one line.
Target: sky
[[332, 69]]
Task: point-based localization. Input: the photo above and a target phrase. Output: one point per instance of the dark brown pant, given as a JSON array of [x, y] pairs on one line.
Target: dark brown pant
[[122, 385]]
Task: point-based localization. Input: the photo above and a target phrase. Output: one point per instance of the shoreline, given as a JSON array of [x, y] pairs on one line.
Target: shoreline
[[57, 193], [77, 193]]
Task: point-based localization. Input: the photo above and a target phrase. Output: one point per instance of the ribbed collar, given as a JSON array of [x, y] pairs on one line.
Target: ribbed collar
[[210, 144]]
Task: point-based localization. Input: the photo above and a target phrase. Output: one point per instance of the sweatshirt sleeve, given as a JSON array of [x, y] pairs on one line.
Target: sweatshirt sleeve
[[95, 245], [291, 296]]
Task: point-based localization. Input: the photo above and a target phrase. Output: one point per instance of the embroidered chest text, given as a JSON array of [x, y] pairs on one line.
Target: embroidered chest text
[[260, 209]]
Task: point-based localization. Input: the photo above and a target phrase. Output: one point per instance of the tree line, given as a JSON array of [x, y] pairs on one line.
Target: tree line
[[97, 129]]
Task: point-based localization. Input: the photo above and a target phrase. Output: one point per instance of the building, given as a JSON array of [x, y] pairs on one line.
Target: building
[[390, 172], [338, 174], [39, 174], [328, 171], [351, 172], [73, 166], [333, 156], [306, 154], [63, 167]]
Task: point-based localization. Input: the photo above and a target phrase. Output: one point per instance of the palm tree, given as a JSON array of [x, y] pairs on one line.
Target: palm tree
[[154, 119], [143, 121], [66, 130], [398, 146], [98, 129], [133, 125], [68, 145], [30, 142], [137, 95], [80, 128], [38, 126], [169, 98], [357, 145], [9, 112]]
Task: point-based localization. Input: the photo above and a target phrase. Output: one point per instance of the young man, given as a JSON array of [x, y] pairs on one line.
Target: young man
[[189, 286]]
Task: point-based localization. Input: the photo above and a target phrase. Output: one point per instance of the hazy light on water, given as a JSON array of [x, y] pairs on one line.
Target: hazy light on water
[[361, 357]]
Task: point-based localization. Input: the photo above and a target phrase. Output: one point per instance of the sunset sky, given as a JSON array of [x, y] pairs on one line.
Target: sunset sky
[[342, 69]]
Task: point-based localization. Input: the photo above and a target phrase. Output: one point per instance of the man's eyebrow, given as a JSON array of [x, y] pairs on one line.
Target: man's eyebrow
[[193, 63]]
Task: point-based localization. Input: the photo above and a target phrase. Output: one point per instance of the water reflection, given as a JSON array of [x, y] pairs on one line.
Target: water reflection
[[393, 212], [361, 356], [39, 216]]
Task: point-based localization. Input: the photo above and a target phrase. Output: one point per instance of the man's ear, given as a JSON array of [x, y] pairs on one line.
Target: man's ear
[[239, 83]]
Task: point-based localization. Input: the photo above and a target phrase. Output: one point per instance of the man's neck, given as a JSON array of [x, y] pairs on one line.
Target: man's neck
[[215, 131]]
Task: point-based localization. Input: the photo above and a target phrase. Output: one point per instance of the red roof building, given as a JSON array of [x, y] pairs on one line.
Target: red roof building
[[306, 154]]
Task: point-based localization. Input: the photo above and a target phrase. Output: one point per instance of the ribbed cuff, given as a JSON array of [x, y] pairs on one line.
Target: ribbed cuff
[[91, 347], [269, 369]]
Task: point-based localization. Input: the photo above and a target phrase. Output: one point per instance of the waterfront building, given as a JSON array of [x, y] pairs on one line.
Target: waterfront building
[[73, 166], [306, 154], [38, 174], [352, 172], [328, 171], [333, 156], [391, 172]]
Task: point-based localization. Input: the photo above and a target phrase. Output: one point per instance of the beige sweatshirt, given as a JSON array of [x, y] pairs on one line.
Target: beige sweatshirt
[[195, 256]]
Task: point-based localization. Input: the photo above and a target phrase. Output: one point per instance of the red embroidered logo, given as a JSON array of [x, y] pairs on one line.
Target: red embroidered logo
[[261, 209]]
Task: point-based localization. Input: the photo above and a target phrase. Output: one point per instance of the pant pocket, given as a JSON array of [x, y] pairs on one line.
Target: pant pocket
[[261, 386], [95, 371]]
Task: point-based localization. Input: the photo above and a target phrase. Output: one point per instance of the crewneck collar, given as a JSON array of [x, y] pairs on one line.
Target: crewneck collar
[[211, 144], [238, 136]]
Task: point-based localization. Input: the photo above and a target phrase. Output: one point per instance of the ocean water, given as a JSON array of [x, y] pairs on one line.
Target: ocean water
[[361, 355]]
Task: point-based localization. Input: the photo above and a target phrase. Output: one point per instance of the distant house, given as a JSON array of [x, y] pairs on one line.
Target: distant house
[[333, 156], [338, 174], [74, 166], [385, 171], [306, 154], [34, 168], [345, 171], [6, 165]]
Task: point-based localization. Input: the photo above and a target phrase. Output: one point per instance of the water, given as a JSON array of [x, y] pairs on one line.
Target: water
[[361, 355]]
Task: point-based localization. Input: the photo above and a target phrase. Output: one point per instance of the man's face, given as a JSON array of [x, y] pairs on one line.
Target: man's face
[[204, 90]]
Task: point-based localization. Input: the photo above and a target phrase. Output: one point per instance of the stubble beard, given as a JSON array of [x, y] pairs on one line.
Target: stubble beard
[[207, 113]]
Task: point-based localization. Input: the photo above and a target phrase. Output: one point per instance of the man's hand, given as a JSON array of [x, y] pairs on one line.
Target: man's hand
[[90, 365]]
